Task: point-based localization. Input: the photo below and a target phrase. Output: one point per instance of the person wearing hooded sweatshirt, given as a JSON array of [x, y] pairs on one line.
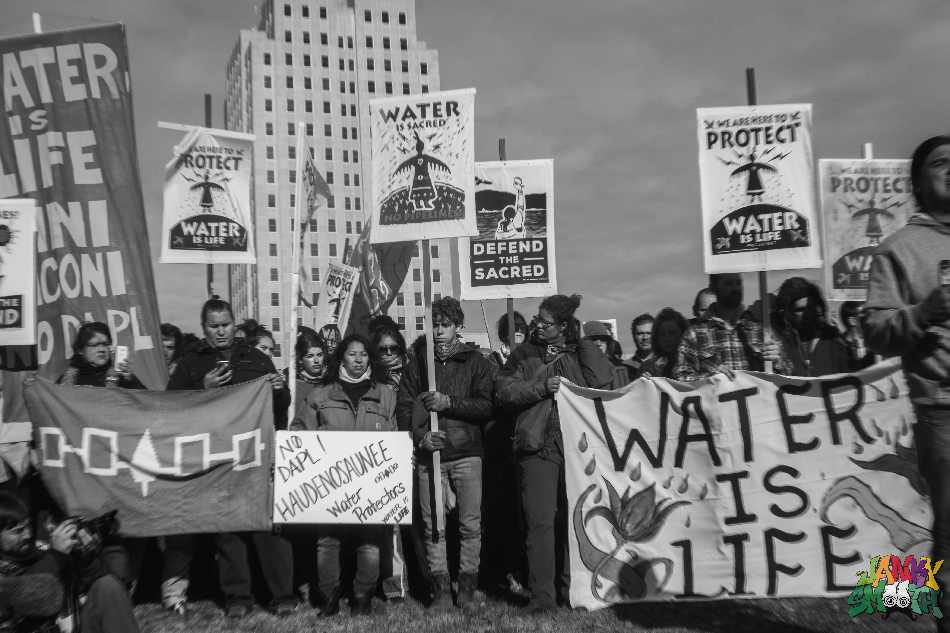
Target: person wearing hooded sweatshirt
[[462, 396], [907, 314]]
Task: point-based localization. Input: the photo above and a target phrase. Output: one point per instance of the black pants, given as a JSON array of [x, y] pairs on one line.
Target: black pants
[[545, 504], [108, 608], [503, 538], [932, 438]]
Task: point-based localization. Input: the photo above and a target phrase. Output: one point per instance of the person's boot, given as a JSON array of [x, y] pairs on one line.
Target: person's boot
[[362, 605], [331, 605], [441, 594], [467, 600]]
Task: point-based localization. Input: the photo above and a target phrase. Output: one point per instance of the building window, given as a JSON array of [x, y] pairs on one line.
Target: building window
[[272, 250], [331, 203], [424, 68], [314, 274], [272, 225], [346, 181], [277, 349], [386, 43], [288, 37], [332, 250], [371, 87], [420, 324], [385, 17], [368, 16], [307, 83], [267, 59], [316, 299], [326, 107], [402, 18], [346, 203], [349, 41], [349, 227], [287, 10], [389, 87], [342, 87], [342, 109], [323, 13], [314, 250], [305, 11], [274, 299], [437, 296], [403, 44], [353, 133], [270, 176], [329, 177], [308, 105], [328, 153], [306, 60], [346, 156], [434, 251], [388, 65], [344, 133], [405, 65], [342, 64], [325, 39], [293, 199], [352, 87], [405, 89], [416, 274], [436, 275], [357, 201], [275, 324], [306, 38], [327, 130], [325, 61], [268, 105], [339, 41], [267, 82], [399, 300], [313, 225], [290, 128], [272, 200], [331, 225], [425, 88], [402, 322], [273, 275], [290, 82], [290, 103], [370, 63], [293, 179], [356, 159], [270, 152], [310, 133], [288, 59], [369, 41], [352, 109], [292, 152], [418, 298]]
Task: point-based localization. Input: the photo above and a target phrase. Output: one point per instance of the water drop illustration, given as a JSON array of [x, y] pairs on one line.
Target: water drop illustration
[[582, 445], [635, 473], [688, 521], [895, 390], [668, 482], [876, 428], [904, 428], [600, 495], [683, 487], [704, 491], [887, 437], [856, 448], [591, 466]]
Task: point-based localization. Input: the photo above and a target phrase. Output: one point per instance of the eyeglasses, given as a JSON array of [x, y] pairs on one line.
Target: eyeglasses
[[388, 349], [544, 324], [98, 346]]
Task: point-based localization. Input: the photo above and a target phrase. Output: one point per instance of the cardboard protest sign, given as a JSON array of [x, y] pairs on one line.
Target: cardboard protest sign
[[343, 477], [423, 166], [513, 254], [758, 191], [762, 486], [207, 202], [17, 272], [171, 462], [336, 296], [862, 203], [70, 147]]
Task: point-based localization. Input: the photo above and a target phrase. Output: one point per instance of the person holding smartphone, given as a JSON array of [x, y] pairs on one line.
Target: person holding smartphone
[[907, 314], [91, 363]]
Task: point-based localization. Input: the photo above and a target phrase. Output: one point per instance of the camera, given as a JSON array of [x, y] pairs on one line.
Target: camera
[[100, 528]]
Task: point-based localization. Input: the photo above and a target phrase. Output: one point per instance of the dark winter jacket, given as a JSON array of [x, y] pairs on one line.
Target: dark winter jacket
[[247, 363], [82, 374], [466, 378], [520, 387], [831, 354]]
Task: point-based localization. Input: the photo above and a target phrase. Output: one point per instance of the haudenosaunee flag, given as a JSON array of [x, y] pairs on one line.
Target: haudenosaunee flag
[[384, 268], [316, 193], [171, 462]]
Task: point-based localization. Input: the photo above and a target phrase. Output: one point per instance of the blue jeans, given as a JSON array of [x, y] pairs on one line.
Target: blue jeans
[[932, 439], [365, 539], [461, 485]]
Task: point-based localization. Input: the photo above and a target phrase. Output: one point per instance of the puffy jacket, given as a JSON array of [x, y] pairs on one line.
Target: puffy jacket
[[521, 388], [328, 408], [466, 378]]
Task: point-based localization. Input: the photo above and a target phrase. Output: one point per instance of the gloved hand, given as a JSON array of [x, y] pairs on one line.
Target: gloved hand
[[936, 307]]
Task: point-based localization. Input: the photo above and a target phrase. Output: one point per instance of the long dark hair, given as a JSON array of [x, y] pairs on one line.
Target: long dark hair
[[666, 314], [562, 309], [382, 332], [378, 371], [171, 331], [791, 290], [917, 165]]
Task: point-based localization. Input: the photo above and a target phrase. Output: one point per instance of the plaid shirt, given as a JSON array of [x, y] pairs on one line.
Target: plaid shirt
[[711, 342]]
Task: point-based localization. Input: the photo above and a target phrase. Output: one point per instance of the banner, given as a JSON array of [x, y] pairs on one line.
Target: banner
[[336, 296], [862, 203], [762, 486], [513, 254], [343, 477], [207, 201], [383, 268], [758, 189], [315, 193], [423, 166], [171, 462], [70, 146], [17, 272]]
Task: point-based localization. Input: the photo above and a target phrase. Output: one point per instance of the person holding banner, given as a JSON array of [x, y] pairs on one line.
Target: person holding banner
[[726, 338], [353, 396], [173, 345], [668, 330], [526, 385], [908, 314], [221, 361], [462, 396]]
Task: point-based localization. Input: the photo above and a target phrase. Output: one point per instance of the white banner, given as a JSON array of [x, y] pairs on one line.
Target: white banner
[[18, 271], [758, 188], [862, 203], [423, 166], [336, 296], [762, 486], [343, 477], [207, 201], [513, 254]]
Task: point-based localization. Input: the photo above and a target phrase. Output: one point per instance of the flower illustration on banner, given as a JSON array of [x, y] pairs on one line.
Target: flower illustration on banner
[[635, 518]]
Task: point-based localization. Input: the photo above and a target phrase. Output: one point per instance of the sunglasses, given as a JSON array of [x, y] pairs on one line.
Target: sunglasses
[[542, 323], [388, 349]]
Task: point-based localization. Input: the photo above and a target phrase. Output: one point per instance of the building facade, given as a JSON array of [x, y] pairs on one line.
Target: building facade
[[320, 62]]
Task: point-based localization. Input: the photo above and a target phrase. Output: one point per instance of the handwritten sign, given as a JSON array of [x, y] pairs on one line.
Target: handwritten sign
[[343, 477]]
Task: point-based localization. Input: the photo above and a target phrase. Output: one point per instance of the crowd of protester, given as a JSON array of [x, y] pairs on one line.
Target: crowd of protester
[[499, 428]]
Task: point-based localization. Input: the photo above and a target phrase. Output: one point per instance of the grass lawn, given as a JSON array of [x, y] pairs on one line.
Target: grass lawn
[[787, 615]]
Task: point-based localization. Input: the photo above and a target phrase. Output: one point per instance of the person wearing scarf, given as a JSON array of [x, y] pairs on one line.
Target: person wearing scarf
[[526, 386], [221, 360], [462, 398], [91, 362], [391, 346], [352, 396]]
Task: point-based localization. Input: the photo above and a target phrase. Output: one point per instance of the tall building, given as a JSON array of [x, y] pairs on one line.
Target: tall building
[[319, 62]]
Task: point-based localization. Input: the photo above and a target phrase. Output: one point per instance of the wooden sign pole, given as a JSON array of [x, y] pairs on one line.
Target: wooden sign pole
[[503, 156], [438, 518], [763, 274]]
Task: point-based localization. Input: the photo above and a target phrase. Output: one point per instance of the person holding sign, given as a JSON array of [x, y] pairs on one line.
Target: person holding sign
[[462, 397], [353, 396], [908, 314], [526, 385]]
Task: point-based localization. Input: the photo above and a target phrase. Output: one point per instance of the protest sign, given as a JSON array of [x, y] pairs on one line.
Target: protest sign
[[343, 477], [71, 148], [758, 192], [207, 201], [171, 462], [862, 203], [17, 272], [423, 166], [762, 486], [513, 254], [336, 296]]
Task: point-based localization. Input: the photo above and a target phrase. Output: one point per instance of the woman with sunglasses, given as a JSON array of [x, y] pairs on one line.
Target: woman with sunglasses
[[391, 346], [526, 385]]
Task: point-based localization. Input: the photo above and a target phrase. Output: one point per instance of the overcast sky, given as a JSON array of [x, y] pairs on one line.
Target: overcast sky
[[608, 89]]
